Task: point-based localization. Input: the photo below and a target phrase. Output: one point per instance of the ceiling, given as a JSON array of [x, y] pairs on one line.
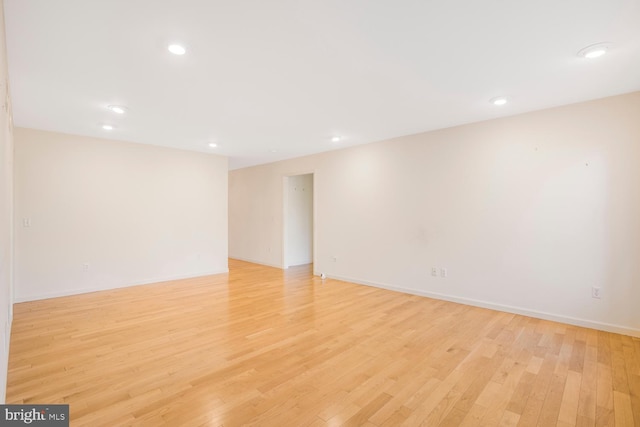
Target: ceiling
[[268, 80]]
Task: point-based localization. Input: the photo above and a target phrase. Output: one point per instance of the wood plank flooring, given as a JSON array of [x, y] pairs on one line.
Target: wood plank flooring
[[266, 347]]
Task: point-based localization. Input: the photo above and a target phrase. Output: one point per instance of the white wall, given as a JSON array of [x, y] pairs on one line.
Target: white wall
[[134, 213], [299, 220], [6, 211], [526, 213]]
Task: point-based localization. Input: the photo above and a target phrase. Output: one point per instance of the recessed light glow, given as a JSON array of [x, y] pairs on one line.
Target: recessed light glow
[[213, 145], [336, 139], [273, 151], [176, 49], [107, 127], [594, 51], [501, 100], [117, 109]]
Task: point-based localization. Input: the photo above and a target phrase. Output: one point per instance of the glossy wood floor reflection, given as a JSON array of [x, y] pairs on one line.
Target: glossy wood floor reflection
[[264, 347]]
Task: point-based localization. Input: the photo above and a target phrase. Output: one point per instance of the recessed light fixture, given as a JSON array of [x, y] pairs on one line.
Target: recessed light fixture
[[273, 151], [594, 51], [177, 49], [107, 127], [336, 139], [117, 109], [213, 145], [499, 100]]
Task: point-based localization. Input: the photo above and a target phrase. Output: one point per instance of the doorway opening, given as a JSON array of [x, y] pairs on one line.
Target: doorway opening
[[298, 220]]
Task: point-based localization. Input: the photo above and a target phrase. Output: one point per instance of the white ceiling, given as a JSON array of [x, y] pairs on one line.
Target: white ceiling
[[287, 75]]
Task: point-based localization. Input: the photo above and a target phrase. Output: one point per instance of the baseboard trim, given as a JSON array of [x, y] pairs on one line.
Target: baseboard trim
[[69, 292], [253, 261], [607, 327]]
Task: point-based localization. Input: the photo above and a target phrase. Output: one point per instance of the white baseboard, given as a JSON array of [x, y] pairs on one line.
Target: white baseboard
[[608, 327], [69, 292], [253, 261]]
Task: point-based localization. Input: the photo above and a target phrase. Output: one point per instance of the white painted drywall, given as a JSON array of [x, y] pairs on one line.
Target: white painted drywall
[[6, 212], [526, 213], [134, 213], [299, 220]]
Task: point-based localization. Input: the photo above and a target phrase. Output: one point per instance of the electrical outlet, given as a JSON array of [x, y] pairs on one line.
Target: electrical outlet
[[335, 259], [85, 266], [434, 271], [595, 292], [26, 222], [443, 272]]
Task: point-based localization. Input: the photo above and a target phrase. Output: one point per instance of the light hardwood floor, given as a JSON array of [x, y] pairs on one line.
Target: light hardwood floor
[[265, 347]]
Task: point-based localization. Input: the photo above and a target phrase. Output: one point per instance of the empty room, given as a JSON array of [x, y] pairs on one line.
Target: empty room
[[329, 213]]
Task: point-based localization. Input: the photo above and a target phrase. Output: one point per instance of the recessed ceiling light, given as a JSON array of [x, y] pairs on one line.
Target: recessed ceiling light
[[594, 51], [500, 100], [273, 151], [107, 127], [177, 49], [117, 109], [336, 139], [213, 145]]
